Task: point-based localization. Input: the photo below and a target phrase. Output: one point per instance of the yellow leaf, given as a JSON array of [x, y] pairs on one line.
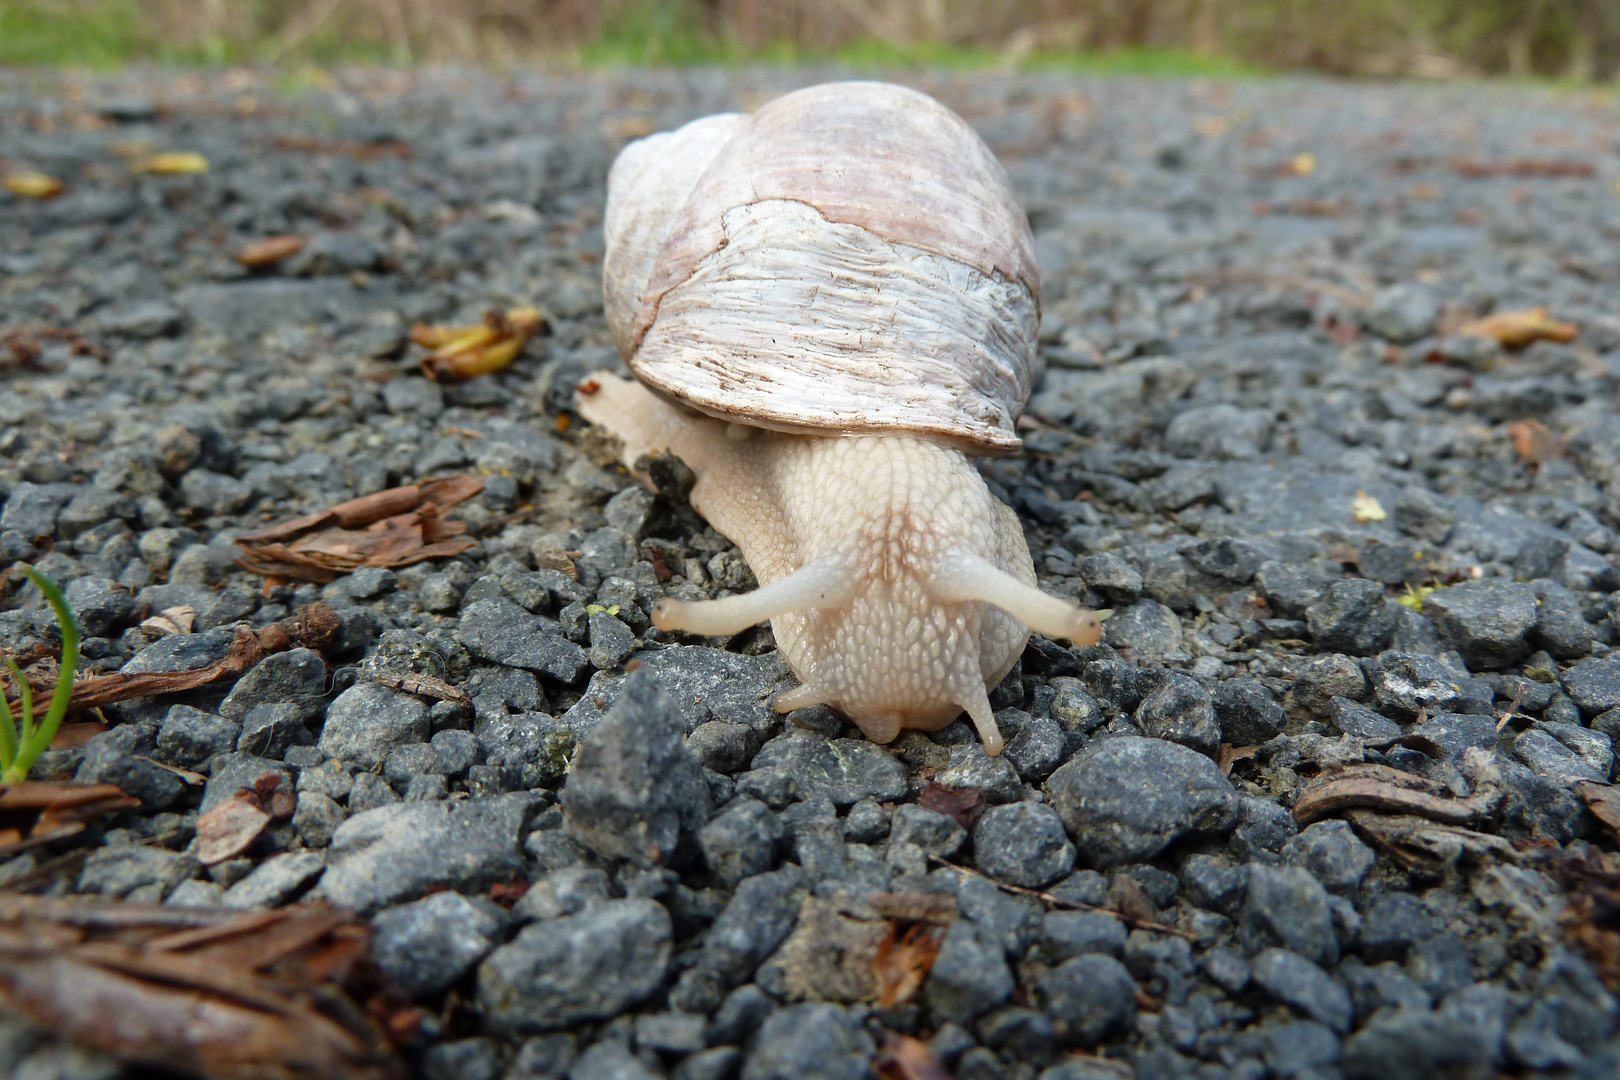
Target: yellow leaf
[[173, 164], [1304, 164], [32, 185], [1516, 329], [1365, 508]]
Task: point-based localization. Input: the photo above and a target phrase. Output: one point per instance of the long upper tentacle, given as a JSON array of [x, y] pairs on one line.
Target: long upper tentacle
[[825, 582], [965, 576]]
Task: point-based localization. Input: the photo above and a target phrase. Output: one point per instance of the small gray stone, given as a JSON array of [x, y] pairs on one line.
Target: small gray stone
[[1090, 998], [578, 968], [742, 841], [1181, 711], [1023, 844], [805, 765], [1294, 980], [566, 891], [188, 737], [428, 944], [1545, 756], [269, 730], [930, 830], [99, 604], [501, 632], [1408, 683], [1067, 934], [1333, 854], [1594, 685], [1247, 713], [1353, 616], [970, 975], [1287, 907], [1147, 629], [393, 853], [230, 773], [214, 493], [1353, 718], [612, 641], [276, 881], [1125, 799], [316, 818], [1485, 621], [634, 791], [1403, 313], [817, 1041], [119, 871], [368, 720], [723, 747]]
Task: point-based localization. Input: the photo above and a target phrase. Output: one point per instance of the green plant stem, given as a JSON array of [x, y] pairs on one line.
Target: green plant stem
[[31, 741]]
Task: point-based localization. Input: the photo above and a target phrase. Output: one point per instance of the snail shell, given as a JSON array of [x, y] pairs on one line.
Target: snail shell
[[850, 258], [827, 305]]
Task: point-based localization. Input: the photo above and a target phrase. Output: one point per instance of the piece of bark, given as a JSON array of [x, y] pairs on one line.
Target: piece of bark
[[35, 812], [314, 626], [1385, 790], [227, 994]]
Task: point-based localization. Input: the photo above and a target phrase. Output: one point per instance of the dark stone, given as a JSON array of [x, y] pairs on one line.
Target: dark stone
[[1355, 719], [1415, 1044], [1300, 1047], [1229, 557], [1181, 711], [634, 791], [1112, 576], [393, 853], [742, 841], [1393, 924], [1215, 882], [1067, 934], [1408, 683], [268, 731], [1022, 844], [578, 968], [99, 604], [501, 632], [1263, 828], [368, 720], [802, 766], [1287, 907], [188, 737], [753, 923], [818, 1041], [1294, 980], [1247, 713], [1090, 998], [1147, 629], [1353, 616], [1485, 621], [1323, 678], [1441, 964], [428, 944], [1594, 685], [1289, 590], [1125, 799], [116, 757], [970, 975], [1014, 921], [1333, 854], [1561, 627]]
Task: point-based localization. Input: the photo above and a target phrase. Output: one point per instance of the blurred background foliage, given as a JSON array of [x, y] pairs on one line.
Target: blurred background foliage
[[1576, 40]]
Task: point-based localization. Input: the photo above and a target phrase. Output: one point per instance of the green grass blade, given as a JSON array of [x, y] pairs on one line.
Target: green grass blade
[[25, 696], [8, 730], [34, 743]]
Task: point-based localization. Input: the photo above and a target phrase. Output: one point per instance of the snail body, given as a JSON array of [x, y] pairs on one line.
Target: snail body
[[827, 306]]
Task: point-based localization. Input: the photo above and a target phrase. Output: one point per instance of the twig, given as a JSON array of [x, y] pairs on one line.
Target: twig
[[304, 28], [1240, 275], [1063, 902]]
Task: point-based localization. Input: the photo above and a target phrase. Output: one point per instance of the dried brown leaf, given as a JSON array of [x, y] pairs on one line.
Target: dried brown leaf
[[35, 812], [936, 908], [1516, 329], [396, 527], [230, 828], [1603, 800], [904, 960], [271, 250], [964, 805], [906, 1058], [1526, 167], [1534, 443]]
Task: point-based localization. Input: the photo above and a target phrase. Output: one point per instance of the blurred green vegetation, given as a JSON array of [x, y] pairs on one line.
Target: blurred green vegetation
[[1572, 39]]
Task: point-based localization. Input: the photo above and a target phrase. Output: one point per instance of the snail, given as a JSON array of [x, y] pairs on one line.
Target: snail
[[828, 306]]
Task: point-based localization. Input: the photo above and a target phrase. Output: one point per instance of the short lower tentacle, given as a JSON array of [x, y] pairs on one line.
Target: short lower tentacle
[[825, 582]]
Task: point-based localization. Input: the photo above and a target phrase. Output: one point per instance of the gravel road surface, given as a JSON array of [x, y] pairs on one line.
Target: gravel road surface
[[1318, 807]]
